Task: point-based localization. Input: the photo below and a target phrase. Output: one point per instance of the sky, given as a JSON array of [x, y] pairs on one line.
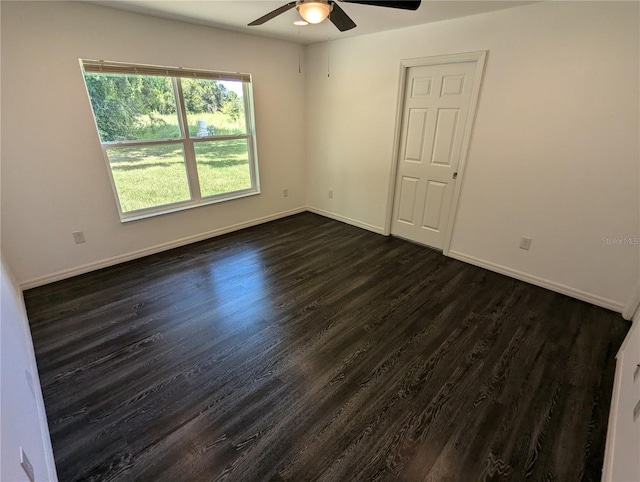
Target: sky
[[234, 86]]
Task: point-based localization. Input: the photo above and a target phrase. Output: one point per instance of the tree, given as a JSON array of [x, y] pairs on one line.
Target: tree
[[203, 95], [157, 95], [130, 107], [113, 101], [233, 106], [121, 102]]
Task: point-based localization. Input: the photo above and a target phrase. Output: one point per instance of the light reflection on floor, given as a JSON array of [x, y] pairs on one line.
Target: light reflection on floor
[[238, 287]]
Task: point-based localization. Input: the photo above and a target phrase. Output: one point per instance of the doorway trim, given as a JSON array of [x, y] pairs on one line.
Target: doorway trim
[[479, 57]]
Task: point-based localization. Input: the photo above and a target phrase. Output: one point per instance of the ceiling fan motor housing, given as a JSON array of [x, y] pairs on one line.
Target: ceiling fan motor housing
[[314, 11]]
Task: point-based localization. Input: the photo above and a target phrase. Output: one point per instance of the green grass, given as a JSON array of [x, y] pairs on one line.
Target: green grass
[[222, 123], [166, 126], [156, 175], [223, 166]]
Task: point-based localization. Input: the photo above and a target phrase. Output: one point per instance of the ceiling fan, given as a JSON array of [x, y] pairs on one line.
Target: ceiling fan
[[316, 11]]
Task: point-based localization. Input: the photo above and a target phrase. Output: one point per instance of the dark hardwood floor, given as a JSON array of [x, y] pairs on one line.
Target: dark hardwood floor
[[307, 349]]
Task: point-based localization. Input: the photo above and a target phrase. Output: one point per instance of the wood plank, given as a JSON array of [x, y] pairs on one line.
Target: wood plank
[[309, 349]]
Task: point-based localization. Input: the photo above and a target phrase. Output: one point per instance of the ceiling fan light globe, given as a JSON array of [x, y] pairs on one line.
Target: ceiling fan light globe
[[314, 12]]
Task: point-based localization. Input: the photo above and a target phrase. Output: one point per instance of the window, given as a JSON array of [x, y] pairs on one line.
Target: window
[[173, 138]]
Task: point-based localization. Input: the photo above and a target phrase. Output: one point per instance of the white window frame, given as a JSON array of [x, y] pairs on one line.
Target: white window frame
[[187, 142]]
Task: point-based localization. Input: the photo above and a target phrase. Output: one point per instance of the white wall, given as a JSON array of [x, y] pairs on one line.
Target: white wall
[[554, 152], [24, 423], [54, 178]]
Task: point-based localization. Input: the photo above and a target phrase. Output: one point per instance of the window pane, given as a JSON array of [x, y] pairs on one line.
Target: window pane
[[133, 107], [223, 166], [214, 108], [147, 176]]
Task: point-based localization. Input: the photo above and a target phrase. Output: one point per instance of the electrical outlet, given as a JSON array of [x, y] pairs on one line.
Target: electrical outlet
[[330, 193], [26, 465], [525, 242], [285, 192], [78, 237]]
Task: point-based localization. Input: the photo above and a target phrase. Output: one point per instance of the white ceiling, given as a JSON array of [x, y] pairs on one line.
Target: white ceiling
[[236, 14]]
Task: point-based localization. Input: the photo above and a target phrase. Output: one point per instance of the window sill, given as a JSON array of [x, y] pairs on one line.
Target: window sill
[[182, 206]]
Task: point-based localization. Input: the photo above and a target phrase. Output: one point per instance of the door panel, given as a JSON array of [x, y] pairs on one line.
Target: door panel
[[415, 134], [421, 87], [452, 85], [433, 204], [408, 189], [444, 136], [434, 119]]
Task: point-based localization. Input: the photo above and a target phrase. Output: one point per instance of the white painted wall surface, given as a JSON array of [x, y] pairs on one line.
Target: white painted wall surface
[[24, 423], [54, 178], [554, 152]]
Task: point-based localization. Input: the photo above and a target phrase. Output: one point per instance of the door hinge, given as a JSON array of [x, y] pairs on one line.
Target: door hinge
[[455, 175]]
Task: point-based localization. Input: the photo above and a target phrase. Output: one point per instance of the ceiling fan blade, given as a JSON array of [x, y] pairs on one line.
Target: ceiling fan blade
[[403, 4], [273, 14], [340, 19]]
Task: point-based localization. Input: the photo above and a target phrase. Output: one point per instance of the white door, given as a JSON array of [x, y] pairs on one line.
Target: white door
[[435, 115]]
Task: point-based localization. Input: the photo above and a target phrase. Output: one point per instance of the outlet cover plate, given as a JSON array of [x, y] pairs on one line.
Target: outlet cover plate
[[525, 242], [78, 237]]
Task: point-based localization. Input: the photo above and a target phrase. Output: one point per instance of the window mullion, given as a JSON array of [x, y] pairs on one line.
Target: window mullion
[[250, 129], [189, 151]]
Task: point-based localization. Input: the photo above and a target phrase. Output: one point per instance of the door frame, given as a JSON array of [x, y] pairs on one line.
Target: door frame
[[405, 64]]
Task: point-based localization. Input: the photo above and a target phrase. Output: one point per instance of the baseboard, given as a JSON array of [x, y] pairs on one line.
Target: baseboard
[[23, 320], [344, 219], [42, 413], [609, 448], [104, 263], [542, 282]]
